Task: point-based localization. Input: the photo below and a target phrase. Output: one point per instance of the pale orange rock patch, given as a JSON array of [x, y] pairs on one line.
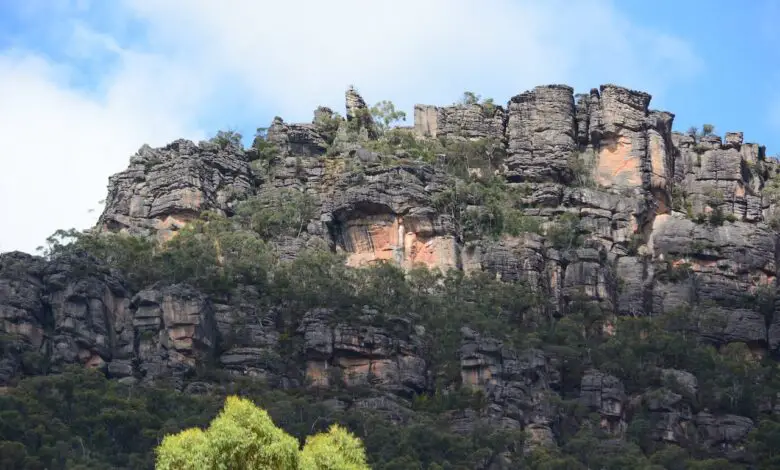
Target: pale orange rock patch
[[616, 166]]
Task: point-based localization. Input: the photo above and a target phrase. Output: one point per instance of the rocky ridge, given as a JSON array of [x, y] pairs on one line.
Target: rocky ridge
[[665, 220]]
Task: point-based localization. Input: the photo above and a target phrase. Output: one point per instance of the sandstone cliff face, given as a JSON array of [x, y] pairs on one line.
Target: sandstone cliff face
[[164, 189], [647, 191], [389, 359], [644, 200], [389, 215]]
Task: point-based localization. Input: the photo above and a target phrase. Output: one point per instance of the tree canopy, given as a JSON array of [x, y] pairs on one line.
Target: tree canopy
[[243, 436]]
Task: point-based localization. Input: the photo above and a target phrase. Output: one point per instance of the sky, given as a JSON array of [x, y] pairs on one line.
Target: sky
[[84, 83]]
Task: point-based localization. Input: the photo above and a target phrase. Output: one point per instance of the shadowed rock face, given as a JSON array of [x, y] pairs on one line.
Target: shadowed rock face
[[22, 310], [174, 329], [644, 199], [389, 359], [296, 139], [541, 134]]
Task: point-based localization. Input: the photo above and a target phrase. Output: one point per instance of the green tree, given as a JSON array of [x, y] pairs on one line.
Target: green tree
[[243, 436], [385, 114], [469, 98], [227, 138], [263, 151], [337, 449], [764, 441]]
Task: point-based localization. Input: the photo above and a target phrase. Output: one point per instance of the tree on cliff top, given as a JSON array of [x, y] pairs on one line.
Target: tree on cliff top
[[243, 436]]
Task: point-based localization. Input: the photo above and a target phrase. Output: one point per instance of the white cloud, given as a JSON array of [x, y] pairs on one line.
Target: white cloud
[[295, 55], [60, 145], [285, 58]]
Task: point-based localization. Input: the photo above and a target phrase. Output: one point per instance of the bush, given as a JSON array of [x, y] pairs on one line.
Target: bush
[[564, 234], [579, 167], [277, 212], [470, 98], [227, 138]]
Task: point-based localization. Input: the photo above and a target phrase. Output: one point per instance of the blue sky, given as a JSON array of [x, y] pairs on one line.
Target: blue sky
[[83, 83]]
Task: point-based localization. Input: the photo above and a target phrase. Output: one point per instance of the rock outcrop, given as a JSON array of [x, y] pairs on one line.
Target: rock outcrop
[[541, 135], [390, 216], [388, 359], [163, 189], [358, 113], [518, 385]]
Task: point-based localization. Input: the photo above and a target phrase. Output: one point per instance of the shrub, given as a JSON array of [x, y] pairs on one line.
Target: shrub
[[564, 234], [227, 138], [277, 212], [579, 167]]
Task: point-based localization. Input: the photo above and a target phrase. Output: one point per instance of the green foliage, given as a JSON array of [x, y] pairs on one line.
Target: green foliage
[[188, 450], [580, 168], [679, 200], [227, 138], [328, 125], [81, 418], [565, 232], [674, 272], [482, 155], [384, 115], [277, 212], [470, 98], [764, 441], [335, 449], [706, 129], [263, 152], [210, 253], [485, 208], [402, 142], [243, 436]]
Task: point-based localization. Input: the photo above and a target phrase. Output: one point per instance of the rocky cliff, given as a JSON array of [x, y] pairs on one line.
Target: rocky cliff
[[615, 211]]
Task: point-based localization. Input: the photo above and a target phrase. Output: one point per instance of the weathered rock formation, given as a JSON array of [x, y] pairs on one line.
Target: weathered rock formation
[[164, 189], [386, 358], [632, 218]]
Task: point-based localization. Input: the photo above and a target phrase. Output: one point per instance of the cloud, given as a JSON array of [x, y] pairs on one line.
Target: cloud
[[73, 113], [60, 144], [295, 55]]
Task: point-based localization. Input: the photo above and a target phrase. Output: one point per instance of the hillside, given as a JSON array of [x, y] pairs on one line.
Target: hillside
[[562, 282]]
